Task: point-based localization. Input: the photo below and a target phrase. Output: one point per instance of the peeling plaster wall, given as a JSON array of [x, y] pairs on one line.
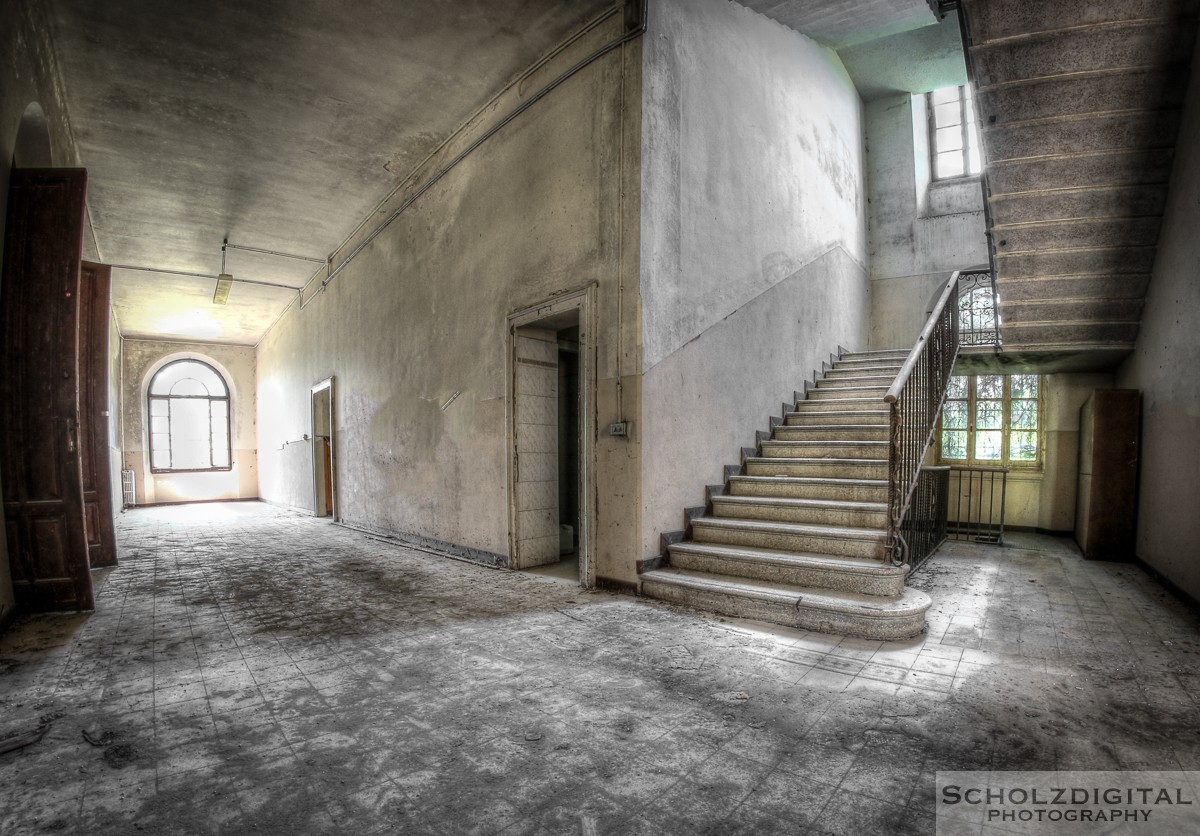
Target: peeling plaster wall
[[28, 75], [1164, 366], [236, 363], [753, 237], [919, 232], [420, 314]]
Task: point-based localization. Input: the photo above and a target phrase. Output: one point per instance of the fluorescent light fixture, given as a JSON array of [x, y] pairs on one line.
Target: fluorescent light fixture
[[224, 284]]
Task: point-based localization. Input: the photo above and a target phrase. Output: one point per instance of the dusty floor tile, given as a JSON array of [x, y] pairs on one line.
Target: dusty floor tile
[[360, 687]]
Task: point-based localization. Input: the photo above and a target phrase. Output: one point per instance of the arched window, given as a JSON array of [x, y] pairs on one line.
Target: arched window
[[977, 319], [189, 418]]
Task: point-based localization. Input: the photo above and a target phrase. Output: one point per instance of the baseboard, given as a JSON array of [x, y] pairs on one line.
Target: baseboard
[[1032, 529], [197, 502], [1185, 597], [8, 616], [429, 545], [614, 585], [287, 506], [651, 564]]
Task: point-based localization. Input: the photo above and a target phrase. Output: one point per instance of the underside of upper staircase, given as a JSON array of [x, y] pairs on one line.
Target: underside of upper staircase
[[798, 534], [1080, 108]]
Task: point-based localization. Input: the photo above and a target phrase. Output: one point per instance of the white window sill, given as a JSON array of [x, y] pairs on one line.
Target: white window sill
[[960, 196]]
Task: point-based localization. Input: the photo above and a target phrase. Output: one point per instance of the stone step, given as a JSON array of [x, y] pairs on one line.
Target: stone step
[[1072, 287], [829, 432], [806, 608], [810, 487], [1080, 204], [1075, 261], [1084, 308], [1124, 167], [1087, 133], [821, 417], [837, 512], [844, 574], [1001, 19], [841, 404], [852, 380], [1081, 232], [846, 468], [875, 354], [1079, 51], [802, 537], [779, 448], [1047, 334], [1152, 88], [834, 377], [891, 359], [841, 393]]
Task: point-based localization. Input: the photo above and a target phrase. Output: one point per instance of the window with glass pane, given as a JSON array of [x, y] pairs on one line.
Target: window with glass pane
[[977, 309], [189, 418], [991, 419], [953, 133]]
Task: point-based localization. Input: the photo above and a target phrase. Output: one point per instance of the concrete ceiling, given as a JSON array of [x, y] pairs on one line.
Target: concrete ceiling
[[913, 61], [279, 124], [839, 24], [886, 46]]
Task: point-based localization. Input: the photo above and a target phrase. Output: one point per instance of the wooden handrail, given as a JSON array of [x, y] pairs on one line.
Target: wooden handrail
[[910, 362]]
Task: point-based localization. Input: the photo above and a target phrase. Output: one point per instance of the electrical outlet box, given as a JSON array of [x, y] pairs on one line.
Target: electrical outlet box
[[618, 428]]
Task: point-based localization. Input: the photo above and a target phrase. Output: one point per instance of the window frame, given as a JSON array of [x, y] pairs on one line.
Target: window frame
[[979, 324], [151, 398], [965, 94], [1006, 430]]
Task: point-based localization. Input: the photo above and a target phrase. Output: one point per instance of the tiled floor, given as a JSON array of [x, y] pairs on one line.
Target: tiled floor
[[249, 670]]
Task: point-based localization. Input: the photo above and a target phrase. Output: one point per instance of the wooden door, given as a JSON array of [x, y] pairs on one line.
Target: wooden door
[[535, 415], [95, 281], [39, 391]]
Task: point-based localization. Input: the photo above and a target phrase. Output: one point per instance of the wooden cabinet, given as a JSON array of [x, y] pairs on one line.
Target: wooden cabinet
[[1106, 504]]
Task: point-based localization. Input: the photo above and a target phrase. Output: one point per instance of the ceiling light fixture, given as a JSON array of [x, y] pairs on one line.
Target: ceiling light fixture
[[224, 280]]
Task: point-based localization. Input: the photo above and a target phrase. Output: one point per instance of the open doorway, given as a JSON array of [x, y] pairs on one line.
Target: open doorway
[[551, 395], [324, 478]]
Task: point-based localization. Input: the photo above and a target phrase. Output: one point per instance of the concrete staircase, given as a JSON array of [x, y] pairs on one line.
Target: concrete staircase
[[1079, 105], [796, 536]]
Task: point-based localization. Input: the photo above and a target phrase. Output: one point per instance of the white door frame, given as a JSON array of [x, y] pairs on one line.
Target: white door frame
[[584, 301], [318, 388]]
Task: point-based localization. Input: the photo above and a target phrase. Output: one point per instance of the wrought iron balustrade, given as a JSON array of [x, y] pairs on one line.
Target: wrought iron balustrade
[[976, 509], [915, 400]]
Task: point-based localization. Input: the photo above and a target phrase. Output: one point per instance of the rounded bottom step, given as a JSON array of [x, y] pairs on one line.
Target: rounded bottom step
[[861, 616]]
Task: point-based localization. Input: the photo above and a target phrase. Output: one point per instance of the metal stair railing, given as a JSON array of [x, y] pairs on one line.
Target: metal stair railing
[[915, 401]]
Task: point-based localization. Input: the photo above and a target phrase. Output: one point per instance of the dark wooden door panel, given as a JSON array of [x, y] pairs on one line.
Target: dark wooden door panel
[[39, 390], [95, 281]]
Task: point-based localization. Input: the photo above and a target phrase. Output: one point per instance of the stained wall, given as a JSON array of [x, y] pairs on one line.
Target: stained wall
[[414, 330], [1164, 366], [753, 237]]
